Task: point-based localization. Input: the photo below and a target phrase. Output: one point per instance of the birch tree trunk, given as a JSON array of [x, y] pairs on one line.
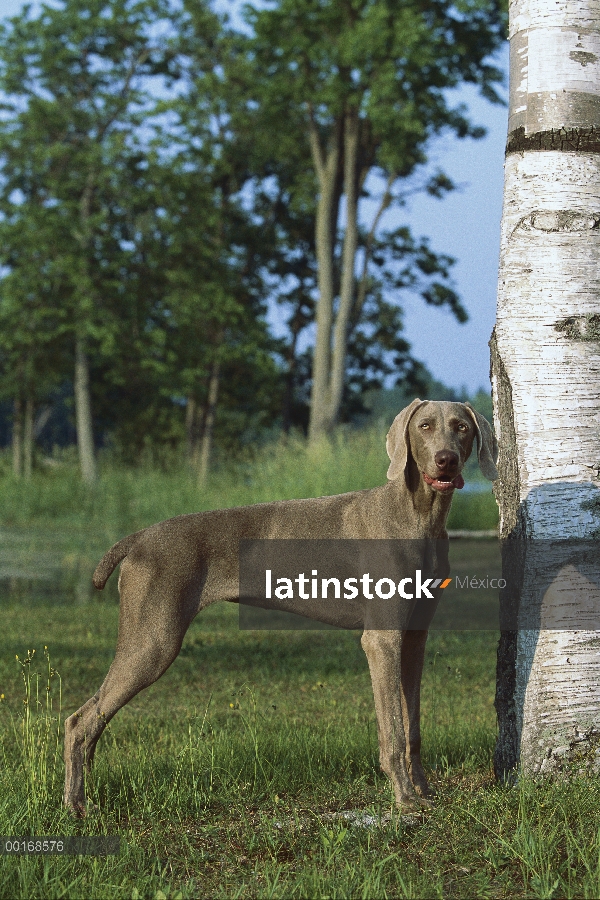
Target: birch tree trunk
[[28, 438], [338, 172], [83, 414], [209, 422], [326, 164], [191, 427], [545, 354], [81, 380], [17, 437], [348, 279]]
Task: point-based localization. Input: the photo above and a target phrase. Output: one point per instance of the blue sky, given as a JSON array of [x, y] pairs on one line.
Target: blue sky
[[466, 224]]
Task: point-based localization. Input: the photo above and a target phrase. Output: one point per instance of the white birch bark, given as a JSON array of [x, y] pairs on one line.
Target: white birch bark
[[546, 383]]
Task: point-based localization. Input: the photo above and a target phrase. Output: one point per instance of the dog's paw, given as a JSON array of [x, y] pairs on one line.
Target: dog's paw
[[80, 811], [412, 803], [425, 790], [77, 810]]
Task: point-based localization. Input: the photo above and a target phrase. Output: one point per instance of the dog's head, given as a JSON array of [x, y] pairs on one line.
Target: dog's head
[[438, 435]]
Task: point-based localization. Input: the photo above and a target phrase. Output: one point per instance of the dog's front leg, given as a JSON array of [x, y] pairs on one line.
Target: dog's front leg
[[413, 655], [384, 650]]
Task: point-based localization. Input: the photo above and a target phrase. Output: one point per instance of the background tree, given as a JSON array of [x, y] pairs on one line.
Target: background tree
[[165, 206], [32, 322], [162, 301], [74, 81], [545, 365], [364, 87], [217, 248]]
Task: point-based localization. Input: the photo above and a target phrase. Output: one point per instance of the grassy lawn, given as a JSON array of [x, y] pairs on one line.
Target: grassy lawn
[[250, 769], [125, 500], [227, 777]]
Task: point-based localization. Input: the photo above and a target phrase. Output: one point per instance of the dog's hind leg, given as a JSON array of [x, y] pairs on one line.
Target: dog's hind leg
[[153, 621]]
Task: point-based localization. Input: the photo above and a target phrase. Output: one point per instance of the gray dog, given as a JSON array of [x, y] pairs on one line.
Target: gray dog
[[172, 570]]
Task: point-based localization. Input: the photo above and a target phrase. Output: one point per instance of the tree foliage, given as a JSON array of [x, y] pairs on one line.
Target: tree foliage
[[164, 178], [363, 86]]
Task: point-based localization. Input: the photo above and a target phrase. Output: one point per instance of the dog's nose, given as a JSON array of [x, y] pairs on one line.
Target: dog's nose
[[446, 460]]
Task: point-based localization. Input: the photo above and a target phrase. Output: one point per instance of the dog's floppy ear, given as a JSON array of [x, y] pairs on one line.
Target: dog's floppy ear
[[396, 442], [487, 445]]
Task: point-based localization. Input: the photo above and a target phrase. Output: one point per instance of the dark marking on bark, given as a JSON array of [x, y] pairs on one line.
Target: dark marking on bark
[[577, 140], [582, 57], [593, 505], [580, 328], [554, 221], [579, 753], [595, 467], [507, 493]]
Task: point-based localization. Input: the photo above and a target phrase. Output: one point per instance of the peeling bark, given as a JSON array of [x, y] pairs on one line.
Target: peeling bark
[[573, 140]]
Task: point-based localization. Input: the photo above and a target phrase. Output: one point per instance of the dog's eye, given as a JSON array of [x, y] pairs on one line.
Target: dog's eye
[[463, 427], [424, 425]]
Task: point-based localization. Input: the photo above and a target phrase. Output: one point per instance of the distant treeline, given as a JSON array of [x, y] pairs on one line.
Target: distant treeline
[[164, 176]]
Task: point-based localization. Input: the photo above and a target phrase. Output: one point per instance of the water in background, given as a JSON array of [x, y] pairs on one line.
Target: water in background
[[38, 567]]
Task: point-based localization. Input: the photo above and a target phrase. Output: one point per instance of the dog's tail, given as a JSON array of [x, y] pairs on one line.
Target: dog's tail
[[111, 560]]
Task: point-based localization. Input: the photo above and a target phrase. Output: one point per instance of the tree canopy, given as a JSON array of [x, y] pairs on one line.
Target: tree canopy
[[364, 86], [166, 178]]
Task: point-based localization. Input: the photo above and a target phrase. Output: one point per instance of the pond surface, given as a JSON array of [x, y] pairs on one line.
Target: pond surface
[[47, 566], [51, 567]]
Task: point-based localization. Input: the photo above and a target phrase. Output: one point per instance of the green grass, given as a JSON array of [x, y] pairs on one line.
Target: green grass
[[227, 778], [54, 520], [125, 500]]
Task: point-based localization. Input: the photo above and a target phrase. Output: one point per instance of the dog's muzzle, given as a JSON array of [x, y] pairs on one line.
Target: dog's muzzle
[[444, 484]]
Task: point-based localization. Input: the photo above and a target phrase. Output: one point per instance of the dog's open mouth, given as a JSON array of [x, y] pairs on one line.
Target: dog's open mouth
[[444, 484]]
